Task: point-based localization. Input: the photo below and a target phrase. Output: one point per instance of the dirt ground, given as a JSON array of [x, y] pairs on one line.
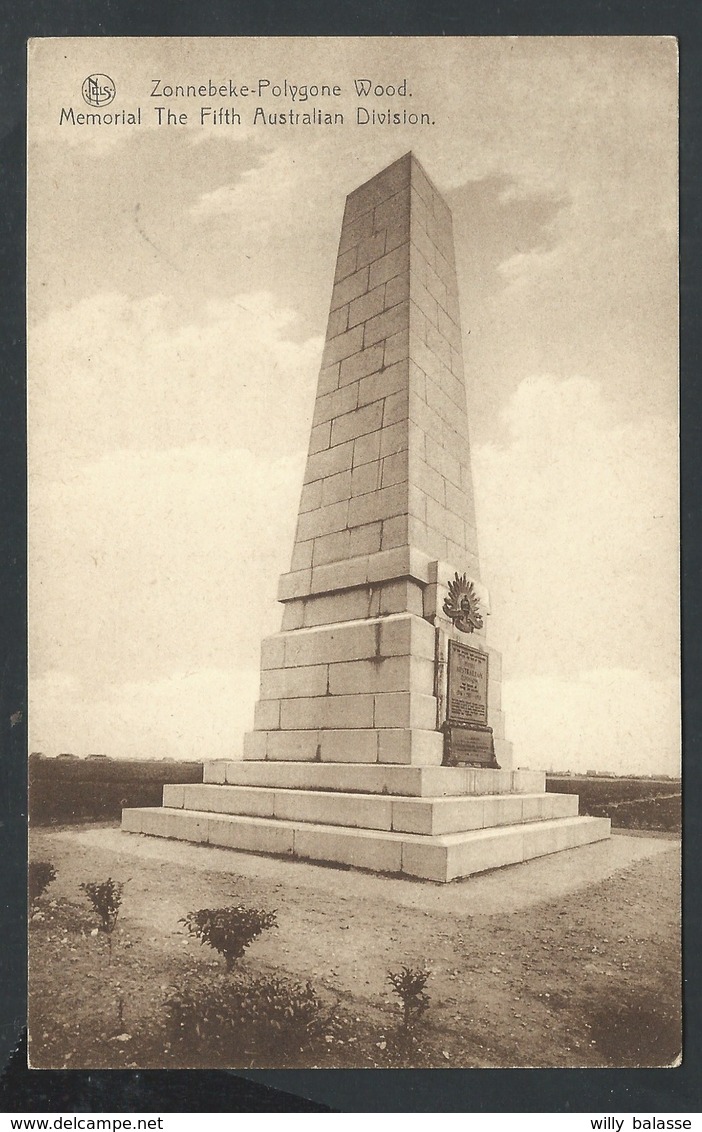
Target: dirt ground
[[570, 960]]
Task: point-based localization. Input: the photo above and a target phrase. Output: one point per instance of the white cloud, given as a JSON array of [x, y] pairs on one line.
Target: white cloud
[[111, 372], [260, 192]]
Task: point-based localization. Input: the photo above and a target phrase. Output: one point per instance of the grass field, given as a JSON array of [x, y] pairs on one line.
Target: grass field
[[631, 803]]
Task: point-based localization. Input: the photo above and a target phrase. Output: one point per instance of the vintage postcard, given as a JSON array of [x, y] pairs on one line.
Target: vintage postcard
[[354, 636]]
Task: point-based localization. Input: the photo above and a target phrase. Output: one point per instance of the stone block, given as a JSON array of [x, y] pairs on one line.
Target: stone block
[[401, 596], [252, 835], [395, 408], [293, 614], [527, 781], [352, 232], [394, 438], [395, 468], [330, 644], [365, 539], [358, 423], [396, 348], [397, 290], [355, 811], [395, 532], [545, 837], [453, 815], [272, 651], [360, 365], [348, 711], [336, 488], [534, 807], [184, 825], [255, 745], [494, 693], [410, 747], [330, 548], [366, 449], [367, 306], [286, 683], [426, 860], [347, 605], [302, 552], [485, 849], [411, 817], [496, 720], [357, 745], [350, 288], [320, 437], [323, 464], [323, 521], [251, 801], [389, 381], [157, 823], [338, 321], [384, 325], [267, 715], [346, 265], [562, 805], [388, 564], [504, 753], [405, 709], [132, 821], [377, 505], [395, 262], [295, 584], [311, 499], [393, 211], [366, 478], [337, 575], [293, 746], [504, 809], [214, 770], [336, 349], [174, 795], [334, 404], [378, 853], [371, 248]]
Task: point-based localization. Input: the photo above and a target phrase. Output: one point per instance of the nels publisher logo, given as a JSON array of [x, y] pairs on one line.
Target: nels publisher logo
[[98, 90]]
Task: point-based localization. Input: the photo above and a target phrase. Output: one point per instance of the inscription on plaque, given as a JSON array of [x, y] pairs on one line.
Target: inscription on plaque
[[467, 684], [467, 737]]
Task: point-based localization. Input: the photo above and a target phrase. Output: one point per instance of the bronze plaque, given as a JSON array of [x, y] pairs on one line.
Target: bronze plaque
[[467, 685], [470, 745]]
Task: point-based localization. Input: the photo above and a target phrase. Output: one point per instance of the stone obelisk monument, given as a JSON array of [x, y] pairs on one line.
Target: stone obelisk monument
[[378, 736]]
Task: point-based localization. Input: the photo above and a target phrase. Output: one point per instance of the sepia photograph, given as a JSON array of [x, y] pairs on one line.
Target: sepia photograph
[[354, 632]]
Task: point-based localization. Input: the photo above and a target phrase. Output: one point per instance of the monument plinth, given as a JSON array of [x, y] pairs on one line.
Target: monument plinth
[[379, 738]]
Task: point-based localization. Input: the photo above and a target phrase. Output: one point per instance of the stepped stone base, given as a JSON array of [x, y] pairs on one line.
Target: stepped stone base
[[435, 823]]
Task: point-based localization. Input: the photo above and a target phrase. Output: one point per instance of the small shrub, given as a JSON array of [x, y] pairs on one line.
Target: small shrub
[[229, 930], [40, 875], [237, 1021], [408, 984], [106, 899]]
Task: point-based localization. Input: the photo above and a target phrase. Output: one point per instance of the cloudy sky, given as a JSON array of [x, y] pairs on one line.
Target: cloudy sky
[[179, 279]]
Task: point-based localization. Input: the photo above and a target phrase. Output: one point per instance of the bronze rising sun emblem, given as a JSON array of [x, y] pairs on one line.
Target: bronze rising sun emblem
[[463, 605]]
